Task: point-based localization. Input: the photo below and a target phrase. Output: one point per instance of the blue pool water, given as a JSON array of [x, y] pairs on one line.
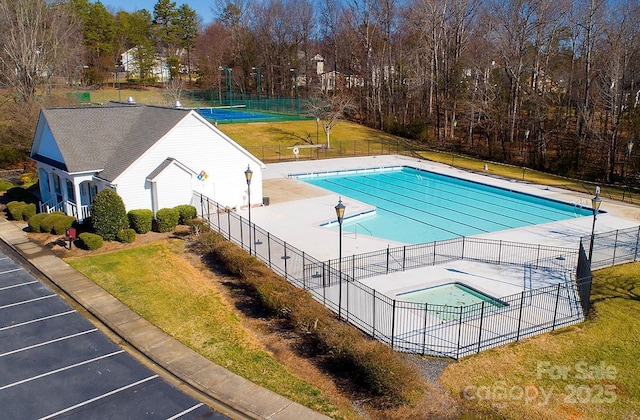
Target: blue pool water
[[453, 295], [450, 294], [234, 114], [417, 206]]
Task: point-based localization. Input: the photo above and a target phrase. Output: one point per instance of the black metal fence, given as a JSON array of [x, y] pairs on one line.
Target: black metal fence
[[315, 149], [615, 247], [423, 328]]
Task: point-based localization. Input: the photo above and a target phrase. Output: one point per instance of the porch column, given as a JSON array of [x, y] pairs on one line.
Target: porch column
[[77, 193]]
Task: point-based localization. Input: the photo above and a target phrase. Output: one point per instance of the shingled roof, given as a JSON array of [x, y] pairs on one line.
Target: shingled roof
[[108, 138]]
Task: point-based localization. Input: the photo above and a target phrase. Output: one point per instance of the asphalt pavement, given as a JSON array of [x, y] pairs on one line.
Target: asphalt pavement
[[56, 363]]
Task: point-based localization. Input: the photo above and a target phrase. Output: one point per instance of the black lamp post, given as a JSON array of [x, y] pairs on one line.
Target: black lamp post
[[248, 174], [526, 150], [625, 167], [595, 206], [340, 215]]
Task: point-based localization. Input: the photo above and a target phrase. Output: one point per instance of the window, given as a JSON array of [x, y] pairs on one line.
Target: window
[[71, 193], [43, 176], [56, 184]]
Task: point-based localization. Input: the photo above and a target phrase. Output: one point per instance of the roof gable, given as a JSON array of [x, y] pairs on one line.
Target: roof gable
[[108, 138]]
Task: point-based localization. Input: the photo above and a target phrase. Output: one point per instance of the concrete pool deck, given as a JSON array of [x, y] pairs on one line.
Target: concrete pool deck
[[296, 209]]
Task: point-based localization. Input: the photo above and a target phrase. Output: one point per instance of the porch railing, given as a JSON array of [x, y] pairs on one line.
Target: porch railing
[[66, 207]]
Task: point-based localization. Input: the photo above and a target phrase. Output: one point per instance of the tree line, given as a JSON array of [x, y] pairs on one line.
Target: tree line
[[548, 84]]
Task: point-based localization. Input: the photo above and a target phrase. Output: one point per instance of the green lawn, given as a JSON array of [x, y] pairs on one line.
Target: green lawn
[[588, 371], [274, 141], [173, 295]]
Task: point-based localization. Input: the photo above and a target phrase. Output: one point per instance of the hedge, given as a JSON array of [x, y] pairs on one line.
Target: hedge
[[126, 235], [186, 212], [35, 221], [61, 224], [46, 224], [370, 364], [166, 219], [140, 220], [90, 241], [19, 210]]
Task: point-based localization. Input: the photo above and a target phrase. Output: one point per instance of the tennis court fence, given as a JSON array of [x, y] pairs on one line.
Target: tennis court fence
[[423, 328]]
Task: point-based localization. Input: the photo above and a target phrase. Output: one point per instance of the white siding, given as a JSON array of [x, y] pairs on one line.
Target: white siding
[[47, 145], [170, 188], [200, 147]]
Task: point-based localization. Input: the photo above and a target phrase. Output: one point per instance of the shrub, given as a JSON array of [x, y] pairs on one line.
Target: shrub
[[108, 214], [21, 194], [140, 220], [166, 219], [61, 224], [198, 226], [28, 211], [90, 241], [46, 224], [5, 185], [186, 212], [9, 156], [370, 364], [34, 222], [126, 236], [15, 209]]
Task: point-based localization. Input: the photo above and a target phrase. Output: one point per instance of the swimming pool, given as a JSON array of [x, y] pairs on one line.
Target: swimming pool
[[417, 206], [453, 295], [449, 294]]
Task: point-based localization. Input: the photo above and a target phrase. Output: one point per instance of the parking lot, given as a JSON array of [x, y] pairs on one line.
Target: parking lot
[[55, 363]]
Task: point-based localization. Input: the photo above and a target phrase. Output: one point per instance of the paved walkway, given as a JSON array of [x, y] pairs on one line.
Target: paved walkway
[[226, 387]]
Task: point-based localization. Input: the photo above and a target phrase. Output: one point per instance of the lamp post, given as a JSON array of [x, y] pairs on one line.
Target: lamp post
[[295, 71], [625, 167], [257, 69], [340, 215], [526, 149], [248, 174], [595, 206]]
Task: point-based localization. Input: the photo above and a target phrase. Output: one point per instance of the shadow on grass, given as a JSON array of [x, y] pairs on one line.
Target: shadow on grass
[[621, 288]]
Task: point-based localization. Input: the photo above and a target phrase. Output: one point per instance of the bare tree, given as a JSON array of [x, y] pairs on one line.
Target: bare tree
[[38, 42], [329, 110]]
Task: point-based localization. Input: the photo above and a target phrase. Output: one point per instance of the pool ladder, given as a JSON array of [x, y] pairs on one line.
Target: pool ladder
[[355, 230]]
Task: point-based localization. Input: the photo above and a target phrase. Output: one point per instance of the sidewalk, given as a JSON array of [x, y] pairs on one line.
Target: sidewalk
[[226, 387]]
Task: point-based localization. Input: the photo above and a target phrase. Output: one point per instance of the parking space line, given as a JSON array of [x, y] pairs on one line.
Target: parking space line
[[18, 285], [11, 271], [48, 342], [187, 411], [99, 397], [53, 372], [27, 301], [44, 318]]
